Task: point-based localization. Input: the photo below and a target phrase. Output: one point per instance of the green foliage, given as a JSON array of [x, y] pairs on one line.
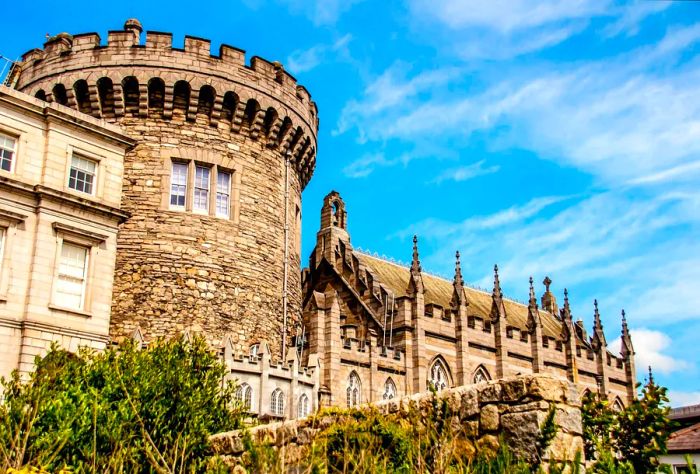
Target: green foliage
[[121, 410], [643, 428], [630, 441]]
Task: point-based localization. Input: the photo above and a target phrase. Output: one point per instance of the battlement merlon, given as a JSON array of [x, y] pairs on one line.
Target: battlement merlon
[[83, 52]]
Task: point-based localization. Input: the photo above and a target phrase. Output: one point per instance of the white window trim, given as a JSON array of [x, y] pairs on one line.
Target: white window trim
[[15, 137], [228, 193], [85, 238], [176, 207], [212, 172], [97, 184]]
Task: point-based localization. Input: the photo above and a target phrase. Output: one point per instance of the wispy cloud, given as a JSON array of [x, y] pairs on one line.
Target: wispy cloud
[[466, 172], [305, 60], [650, 350], [632, 16]]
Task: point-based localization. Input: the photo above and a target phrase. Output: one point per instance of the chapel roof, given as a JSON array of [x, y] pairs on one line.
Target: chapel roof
[[685, 440], [438, 291]]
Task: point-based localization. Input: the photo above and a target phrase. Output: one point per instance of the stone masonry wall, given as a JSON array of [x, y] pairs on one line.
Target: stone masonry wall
[[178, 269], [514, 408]]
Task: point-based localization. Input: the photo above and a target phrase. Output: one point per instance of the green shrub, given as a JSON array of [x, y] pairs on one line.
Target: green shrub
[[121, 410]]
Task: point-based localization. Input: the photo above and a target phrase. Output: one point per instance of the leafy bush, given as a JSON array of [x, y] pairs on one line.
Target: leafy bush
[[121, 410]]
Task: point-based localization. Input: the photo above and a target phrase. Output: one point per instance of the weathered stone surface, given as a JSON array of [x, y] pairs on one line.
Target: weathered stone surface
[[489, 419], [568, 419], [520, 431]]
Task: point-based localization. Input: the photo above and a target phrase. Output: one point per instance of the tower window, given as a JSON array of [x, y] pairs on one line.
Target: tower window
[[7, 152], [201, 188], [303, 407], [277, 402], [223, 194], [178, 185], [82, 174]]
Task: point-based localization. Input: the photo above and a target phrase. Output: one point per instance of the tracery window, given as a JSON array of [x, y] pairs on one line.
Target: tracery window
[[353, 390], [303, 407], [389, 389], [438, 375], [244, 394], [617, 405], [277, 402], [481, 375]]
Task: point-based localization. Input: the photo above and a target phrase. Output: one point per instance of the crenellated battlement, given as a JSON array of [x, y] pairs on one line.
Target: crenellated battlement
[[127, 78]]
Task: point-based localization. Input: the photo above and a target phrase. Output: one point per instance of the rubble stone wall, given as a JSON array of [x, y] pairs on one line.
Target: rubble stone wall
[[512, 409]]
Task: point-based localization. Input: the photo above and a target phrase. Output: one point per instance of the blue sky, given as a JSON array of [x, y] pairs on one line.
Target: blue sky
[[558, 139]]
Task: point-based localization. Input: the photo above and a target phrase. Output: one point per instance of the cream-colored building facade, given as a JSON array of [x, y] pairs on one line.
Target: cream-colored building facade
[[60, 192]]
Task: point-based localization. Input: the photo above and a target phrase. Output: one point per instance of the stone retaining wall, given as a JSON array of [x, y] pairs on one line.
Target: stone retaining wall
[[514, 408]]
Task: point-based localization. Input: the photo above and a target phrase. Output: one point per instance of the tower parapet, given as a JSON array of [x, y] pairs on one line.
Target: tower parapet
[[213, 185]]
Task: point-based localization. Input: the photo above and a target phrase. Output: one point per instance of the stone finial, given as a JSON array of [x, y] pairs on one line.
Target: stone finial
[[533, 315], [497, 293], [651, 377], [458, 280], [533, 298], [547, 281], [598, 339], [415, 262], [627, 349], [566, 310], [415, 284], [597, 323]]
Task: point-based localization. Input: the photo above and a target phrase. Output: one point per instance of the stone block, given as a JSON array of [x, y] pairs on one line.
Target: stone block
[[488, 418]]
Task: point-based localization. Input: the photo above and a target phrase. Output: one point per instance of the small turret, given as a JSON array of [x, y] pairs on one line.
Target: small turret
[[333, 232]]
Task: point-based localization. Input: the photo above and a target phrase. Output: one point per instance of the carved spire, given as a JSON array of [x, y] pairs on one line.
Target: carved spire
[[497, 293], [651, 377], [598, 339], [498, 310], [415, 284], [566, 311], [415, 263], [533, 314], [627, 349], [458, 297], [458, 281]]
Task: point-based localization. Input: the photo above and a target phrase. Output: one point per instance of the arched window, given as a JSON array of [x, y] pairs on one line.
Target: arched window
[[130, 86], [244, 394], [277, 402], [251, 110], [389, 389], [156, 97], [82, 96], [105, 93], [40, 94], [481, 375], [254, 350], [181, 98], [228, 106], [617, 405], [206, 101], [270, 119], [354, 389], [303, 407], [59, 94], [438, 376]]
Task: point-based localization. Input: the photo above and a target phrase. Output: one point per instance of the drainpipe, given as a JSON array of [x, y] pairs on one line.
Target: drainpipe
[[286, 255]]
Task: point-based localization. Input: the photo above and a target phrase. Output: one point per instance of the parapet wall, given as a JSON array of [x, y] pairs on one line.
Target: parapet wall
[[514, 408]]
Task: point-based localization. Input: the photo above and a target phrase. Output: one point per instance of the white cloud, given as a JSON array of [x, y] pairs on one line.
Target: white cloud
[[507, 15], [466, 172], [632, 15], [681, 399], [321, 12], [650, 347], [305, 60], [365, 165]]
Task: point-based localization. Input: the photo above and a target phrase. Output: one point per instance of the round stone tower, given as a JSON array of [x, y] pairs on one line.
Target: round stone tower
[[213, 185]]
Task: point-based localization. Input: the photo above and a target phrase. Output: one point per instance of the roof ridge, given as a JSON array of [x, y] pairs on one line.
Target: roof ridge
[[470, 286]]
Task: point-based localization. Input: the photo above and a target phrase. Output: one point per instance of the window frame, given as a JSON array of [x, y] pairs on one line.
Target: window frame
[[13, 161], [177, 207], [79, 237], [83, 280], [219, 172], [89, 157], [206, 210]]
